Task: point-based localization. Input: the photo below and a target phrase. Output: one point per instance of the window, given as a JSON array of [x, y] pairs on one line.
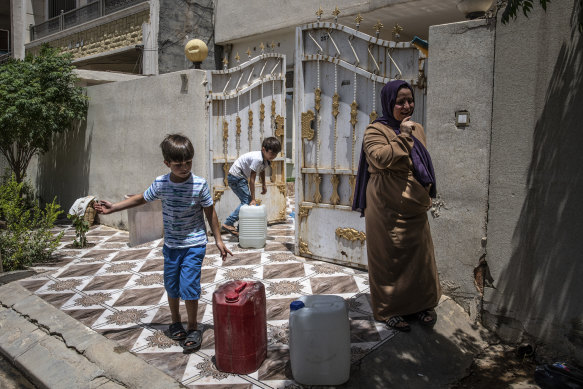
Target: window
[[4, 41]]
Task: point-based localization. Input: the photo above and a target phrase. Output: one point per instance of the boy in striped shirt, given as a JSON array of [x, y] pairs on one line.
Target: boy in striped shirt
[[185, 198]]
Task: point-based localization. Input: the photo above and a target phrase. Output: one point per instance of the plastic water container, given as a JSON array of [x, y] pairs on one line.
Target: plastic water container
[[252, 226], [240, 326], [319, 340]]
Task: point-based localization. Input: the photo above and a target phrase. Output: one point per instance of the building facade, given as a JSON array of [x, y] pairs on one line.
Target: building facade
[[129, 36]]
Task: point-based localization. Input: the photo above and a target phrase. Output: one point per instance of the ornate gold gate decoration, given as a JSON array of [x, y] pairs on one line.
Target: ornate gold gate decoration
[[236, 93], [339, 72]]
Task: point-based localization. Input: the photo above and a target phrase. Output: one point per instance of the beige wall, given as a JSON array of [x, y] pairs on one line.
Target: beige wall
[[117, 151], [461, 65], [535, 218], [514, 173], [241, 19]]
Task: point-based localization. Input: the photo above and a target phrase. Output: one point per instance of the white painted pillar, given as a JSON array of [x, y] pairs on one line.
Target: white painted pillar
[[150, 40], [18, 27]]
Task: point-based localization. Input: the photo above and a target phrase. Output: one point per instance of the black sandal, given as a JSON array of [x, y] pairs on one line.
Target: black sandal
[[395, 322], [194, 337], [423, 315], [230, 229], [176, 331]]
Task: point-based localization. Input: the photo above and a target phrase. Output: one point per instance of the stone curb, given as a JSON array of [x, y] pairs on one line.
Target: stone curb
[[56, 351]]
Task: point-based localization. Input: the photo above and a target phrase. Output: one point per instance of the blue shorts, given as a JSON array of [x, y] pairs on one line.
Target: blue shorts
[[182, 271]]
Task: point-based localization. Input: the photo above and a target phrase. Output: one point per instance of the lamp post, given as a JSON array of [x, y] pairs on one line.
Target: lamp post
[[196, 51]]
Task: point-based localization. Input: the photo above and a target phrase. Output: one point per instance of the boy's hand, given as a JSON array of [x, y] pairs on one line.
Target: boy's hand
[[223, 249], [253, 202], [103, 207]]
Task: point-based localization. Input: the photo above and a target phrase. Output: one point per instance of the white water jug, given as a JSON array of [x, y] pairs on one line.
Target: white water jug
[[319, 340], [252, 226]]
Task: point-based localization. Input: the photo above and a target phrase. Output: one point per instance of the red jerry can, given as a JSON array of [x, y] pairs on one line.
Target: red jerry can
[[240, 326]]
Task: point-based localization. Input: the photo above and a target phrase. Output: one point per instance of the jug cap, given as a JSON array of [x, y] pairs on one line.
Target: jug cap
[[232, 297], [295, 305]]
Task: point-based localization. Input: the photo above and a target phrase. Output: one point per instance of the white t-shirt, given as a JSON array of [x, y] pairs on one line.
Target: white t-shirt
[[252, 161]]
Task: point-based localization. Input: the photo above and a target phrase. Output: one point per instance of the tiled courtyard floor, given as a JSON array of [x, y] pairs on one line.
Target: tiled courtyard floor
[[118, 291]]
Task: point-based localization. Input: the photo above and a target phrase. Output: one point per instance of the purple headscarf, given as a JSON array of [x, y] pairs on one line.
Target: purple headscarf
[[422, 165]]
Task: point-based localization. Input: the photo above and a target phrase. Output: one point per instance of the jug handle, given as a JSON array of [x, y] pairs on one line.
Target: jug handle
[[241, 287]]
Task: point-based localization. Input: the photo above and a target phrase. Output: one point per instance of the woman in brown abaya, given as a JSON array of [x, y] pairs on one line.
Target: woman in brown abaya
[[395, 184]]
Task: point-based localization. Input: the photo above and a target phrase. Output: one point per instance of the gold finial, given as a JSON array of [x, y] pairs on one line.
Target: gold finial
[[319, 13], [358, 19], [225, 62], [249, 52], [336, 12], [262, 47], [272, 45], [237, 58], [378, 28], [397, 32]]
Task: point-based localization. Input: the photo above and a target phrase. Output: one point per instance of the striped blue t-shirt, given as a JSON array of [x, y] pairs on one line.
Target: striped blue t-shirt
[[182, 212]]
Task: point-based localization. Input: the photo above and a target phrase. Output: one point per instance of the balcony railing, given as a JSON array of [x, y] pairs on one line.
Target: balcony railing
[[78, 16]]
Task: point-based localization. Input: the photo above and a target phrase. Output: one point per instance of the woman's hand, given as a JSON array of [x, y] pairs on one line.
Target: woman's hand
[[407, 126]]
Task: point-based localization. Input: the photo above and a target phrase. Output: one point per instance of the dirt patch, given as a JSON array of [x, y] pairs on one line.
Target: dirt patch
[[501, 366]]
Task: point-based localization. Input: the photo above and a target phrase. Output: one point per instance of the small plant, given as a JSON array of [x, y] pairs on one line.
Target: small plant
[[27, 238], [81, 227]]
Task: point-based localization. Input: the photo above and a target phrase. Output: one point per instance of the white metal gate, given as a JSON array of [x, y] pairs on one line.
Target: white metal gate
[[246, 104], [339, 73]]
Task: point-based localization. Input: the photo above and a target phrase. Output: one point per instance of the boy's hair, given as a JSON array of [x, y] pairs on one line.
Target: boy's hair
[[177, 148], [272, 144]]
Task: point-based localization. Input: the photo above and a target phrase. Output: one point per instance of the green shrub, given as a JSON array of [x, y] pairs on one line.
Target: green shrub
[[81, 227], [27, 238]]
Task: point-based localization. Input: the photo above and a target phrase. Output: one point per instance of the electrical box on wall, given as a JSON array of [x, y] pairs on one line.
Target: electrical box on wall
[[462, 118]]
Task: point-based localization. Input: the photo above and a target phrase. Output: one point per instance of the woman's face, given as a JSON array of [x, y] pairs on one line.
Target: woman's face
[[404, 104]]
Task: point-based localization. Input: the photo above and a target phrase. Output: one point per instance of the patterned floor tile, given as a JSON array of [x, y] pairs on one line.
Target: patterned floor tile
[[86, 316], [288, 288], [340, 285], [129, 255], [140, 297], [108, 282], [243, 258], [95, 299], [146, 280], [276, 365], [33, 285], [153, 264], [98, 254], [172, 363], [125, 317], [288, 270], [278, 308], [55, 299], [118, 291], [126, 337], [80, 270], [201, 370]]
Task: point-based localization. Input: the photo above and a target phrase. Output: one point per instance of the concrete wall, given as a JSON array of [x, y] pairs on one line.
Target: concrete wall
[[460, 66], [117, 151], [535, 218], [181, 21], [242, 19], [513, 175]]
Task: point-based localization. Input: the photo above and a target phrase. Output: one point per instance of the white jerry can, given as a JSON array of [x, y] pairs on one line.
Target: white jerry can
[[252, 226], [319, 340]]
